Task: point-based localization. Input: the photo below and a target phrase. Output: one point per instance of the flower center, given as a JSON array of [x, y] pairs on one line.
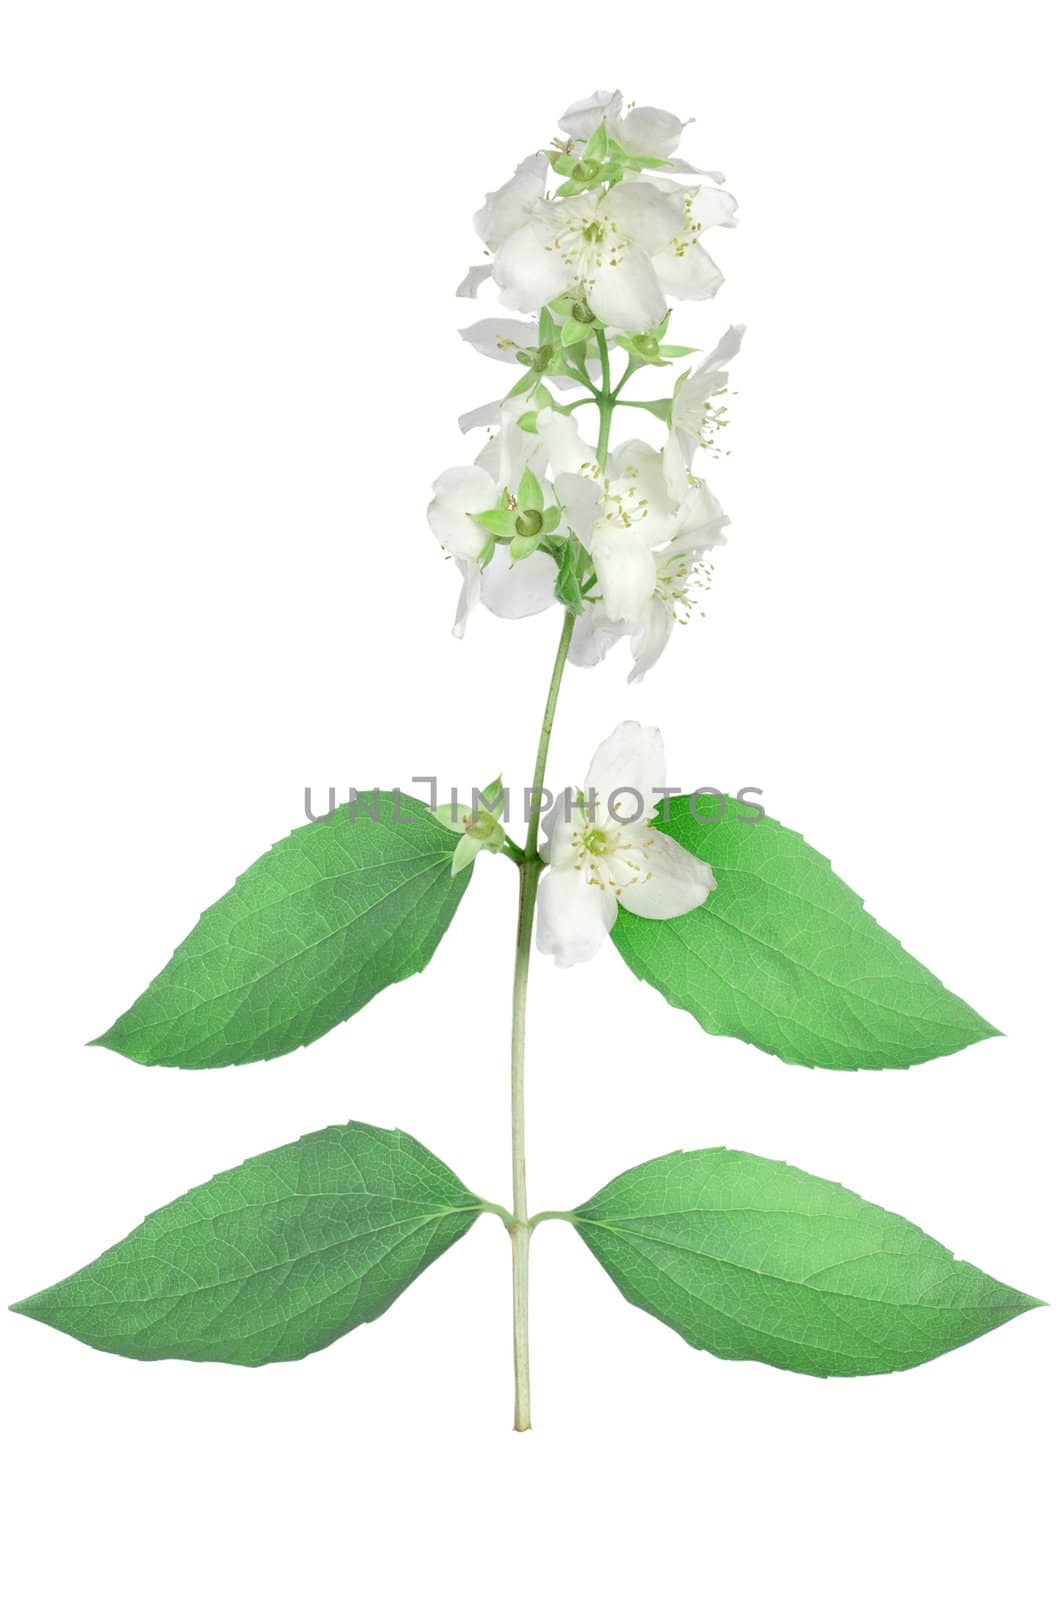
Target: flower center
[[481, 827], [613, 855], [529, 523], [587, 239]]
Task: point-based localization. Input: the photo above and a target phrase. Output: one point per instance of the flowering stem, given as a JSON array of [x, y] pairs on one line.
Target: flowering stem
[[605, 400], [530, 866]]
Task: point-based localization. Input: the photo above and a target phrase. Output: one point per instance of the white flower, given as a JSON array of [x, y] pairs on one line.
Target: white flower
[[646, 524], [606, 850], [690, 412], [610, 244], [643, 131], [508, 588], [644, 500]]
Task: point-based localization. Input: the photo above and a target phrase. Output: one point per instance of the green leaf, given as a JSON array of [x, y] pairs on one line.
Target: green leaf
[[783, 955], [529, 494], [569, 577], [318, 925], [271, 1260], [757, 1261]]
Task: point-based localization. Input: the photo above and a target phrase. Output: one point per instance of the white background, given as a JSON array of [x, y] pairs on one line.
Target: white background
[[230, 373]]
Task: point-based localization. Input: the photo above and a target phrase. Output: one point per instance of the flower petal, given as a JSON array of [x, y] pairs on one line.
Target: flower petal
[[529, 269], [512, 449], [565, 449], [473, 281], [580, 499], [677, 882], [506, 208], [687, 272], [501, 337], [638, 476], [469, 595], [516, 589], [592, 638], [582, 119], [631, 757], [487, 416], [573, 916], [558, 828], [649, 643], [646, 131], [625, 292], [460, 494], [626, 571], [645, 214], [713, 208]]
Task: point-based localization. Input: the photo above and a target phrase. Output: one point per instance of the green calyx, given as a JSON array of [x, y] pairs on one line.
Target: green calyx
[[479, 824]]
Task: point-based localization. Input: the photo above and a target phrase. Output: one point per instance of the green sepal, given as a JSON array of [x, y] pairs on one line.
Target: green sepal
[[563, 162], [550, 519], [464, 853], [596, 146], [528, 421], [529, 494], [502, 524], [754, 1260], [574, 332], [547, 329], [493, 796], [676, 351], [272, 1260], [524, 545], [529, 380]]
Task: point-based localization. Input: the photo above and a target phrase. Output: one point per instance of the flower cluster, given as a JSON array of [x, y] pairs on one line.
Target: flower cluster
[[591, 240]]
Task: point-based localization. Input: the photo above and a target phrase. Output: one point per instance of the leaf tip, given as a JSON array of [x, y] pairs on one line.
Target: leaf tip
[[27, 1307]]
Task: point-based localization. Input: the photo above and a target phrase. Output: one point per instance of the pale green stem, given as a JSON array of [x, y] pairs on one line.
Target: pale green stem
[[530, 870]]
